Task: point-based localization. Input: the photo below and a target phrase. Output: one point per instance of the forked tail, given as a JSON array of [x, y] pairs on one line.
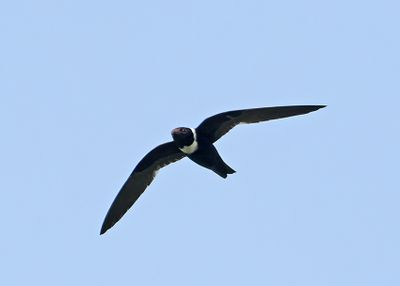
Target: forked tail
[[224, 170]]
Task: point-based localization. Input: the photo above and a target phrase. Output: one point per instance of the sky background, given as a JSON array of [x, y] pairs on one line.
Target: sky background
[[87, 88]]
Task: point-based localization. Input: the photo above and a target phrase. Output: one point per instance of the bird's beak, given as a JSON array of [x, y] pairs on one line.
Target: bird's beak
[[175, 131]]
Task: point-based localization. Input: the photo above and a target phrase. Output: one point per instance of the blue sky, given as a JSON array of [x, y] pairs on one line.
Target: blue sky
[[88, 87]]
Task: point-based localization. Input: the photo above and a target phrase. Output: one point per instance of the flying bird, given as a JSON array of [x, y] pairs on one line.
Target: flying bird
[[197, 145]]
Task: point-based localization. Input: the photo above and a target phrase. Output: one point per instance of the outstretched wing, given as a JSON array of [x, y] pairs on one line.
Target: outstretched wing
[[141, 177], [218, 125]]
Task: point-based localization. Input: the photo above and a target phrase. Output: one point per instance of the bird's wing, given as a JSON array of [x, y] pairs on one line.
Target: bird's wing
[[218, 125], [141, 177]]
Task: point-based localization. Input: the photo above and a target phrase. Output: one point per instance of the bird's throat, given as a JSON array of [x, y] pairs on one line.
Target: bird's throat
[[192, 147]]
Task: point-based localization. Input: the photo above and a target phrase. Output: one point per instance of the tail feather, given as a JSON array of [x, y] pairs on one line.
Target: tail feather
[[229, 170], [224, 171]]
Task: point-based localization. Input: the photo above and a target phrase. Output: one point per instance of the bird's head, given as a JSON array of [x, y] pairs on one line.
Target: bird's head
[[183, 136]]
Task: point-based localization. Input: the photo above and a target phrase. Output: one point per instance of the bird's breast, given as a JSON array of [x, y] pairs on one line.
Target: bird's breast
[[191, 148]]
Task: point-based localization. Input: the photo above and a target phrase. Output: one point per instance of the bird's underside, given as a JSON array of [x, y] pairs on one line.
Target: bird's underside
[[209, 158], [197, 145]]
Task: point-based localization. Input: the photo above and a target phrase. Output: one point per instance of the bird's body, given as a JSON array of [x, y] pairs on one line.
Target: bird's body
[[196, 144], [207, 156]]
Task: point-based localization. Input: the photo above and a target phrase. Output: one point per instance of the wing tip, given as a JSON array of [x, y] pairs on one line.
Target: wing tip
[[318, 106], [106, 226], [312, 108], [103, 229]]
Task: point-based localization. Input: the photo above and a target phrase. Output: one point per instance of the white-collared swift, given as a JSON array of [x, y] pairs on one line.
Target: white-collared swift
[[197, 145]]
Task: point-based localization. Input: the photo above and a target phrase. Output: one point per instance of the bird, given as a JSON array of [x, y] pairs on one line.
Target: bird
[[197, 144]]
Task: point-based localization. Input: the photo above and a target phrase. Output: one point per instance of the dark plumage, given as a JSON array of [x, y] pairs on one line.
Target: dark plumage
[[197, 145]]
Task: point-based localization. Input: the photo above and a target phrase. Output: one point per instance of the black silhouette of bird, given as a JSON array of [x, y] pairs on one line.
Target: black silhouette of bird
[[197, 145]]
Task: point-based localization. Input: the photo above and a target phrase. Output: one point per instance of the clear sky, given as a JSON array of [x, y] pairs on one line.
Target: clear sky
[[87, 88]]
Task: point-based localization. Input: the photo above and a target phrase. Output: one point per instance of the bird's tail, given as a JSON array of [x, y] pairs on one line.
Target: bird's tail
[[224, 171]]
